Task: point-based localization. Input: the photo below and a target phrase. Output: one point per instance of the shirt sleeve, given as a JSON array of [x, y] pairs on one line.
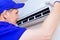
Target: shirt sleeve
[[21, 32]]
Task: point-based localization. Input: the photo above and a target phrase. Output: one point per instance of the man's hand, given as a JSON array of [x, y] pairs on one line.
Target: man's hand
[[54, 1]]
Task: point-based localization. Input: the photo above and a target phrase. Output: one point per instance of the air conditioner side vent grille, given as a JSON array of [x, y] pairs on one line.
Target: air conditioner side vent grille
[[36, 15]]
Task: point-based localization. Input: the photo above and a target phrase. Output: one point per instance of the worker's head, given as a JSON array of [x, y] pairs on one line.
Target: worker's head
[[9, 10]]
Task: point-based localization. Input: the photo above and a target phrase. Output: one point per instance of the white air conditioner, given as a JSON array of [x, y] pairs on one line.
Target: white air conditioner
[[33, 13]]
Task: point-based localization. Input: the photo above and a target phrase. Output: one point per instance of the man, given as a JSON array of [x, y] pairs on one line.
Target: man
[[9, 15]]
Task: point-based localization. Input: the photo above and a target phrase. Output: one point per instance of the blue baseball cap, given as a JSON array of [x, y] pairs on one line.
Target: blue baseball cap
[[9, 4]]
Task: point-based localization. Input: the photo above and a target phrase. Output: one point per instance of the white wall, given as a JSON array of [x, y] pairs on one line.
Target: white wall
[[18, 1], [57, 33]]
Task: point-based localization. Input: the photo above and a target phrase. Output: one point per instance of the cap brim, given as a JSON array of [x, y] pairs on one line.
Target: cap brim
[[18, 5]]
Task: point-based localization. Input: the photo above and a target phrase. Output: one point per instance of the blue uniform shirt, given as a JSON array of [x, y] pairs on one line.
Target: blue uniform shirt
[[10, 32]]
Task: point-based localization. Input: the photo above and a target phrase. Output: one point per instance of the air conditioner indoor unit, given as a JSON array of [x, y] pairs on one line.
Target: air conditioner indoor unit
[[37, 16]]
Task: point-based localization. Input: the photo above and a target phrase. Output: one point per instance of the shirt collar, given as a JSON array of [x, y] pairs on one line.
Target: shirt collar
[[5, 23]]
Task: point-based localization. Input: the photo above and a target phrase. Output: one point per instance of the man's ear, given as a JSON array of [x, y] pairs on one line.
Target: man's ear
[[5, 14]]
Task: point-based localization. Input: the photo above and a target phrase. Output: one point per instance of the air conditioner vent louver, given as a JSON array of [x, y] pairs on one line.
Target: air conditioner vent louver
[[35, 16]]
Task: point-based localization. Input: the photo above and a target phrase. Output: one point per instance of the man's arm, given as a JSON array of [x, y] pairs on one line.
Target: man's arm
[[45, 32]]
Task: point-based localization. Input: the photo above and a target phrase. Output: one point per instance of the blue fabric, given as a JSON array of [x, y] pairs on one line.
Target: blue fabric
[[9, 4], [10, 32]]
